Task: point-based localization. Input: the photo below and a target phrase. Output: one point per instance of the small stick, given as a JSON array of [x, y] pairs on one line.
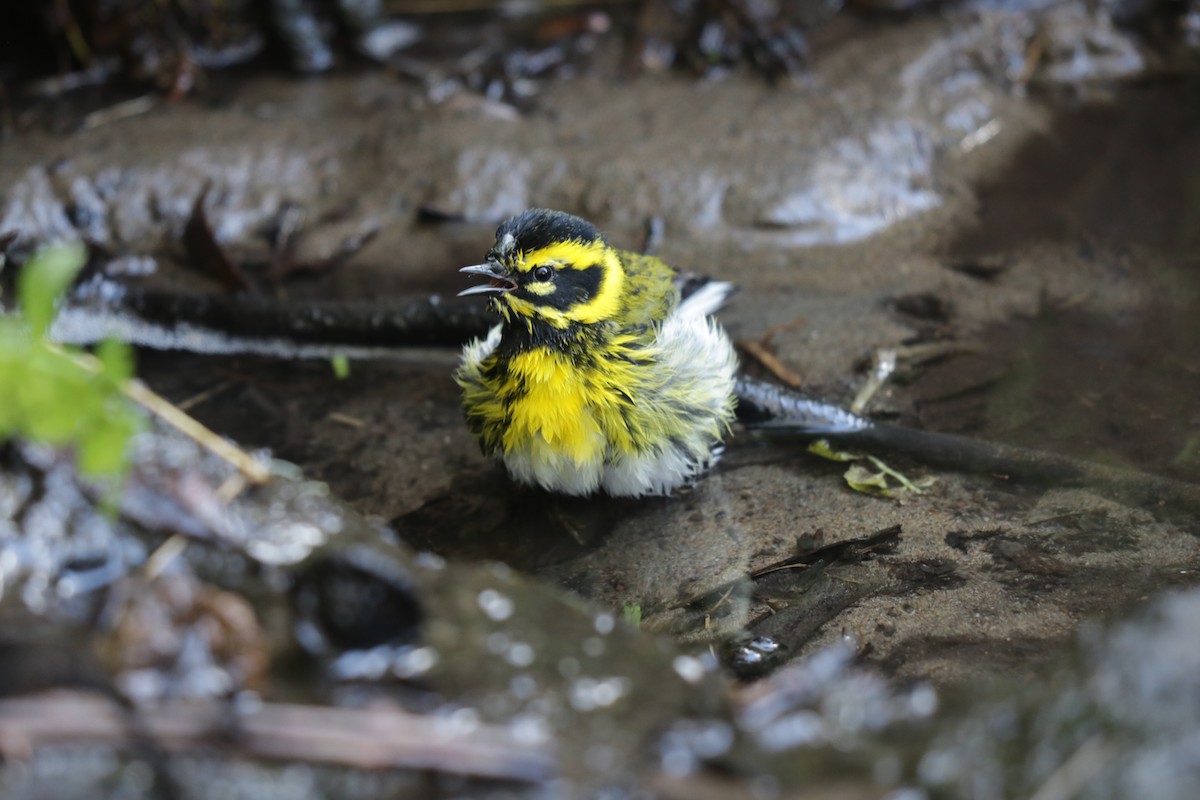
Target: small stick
[[758, 349], [363, 738], [204, 396], [166, 552], [882, 367], [160, 407], [1033, 57], [771, 363], [1073, 774], [124, 110], [141, 394]]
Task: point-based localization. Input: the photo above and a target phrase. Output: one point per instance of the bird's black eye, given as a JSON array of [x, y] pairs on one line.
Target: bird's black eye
[[543, 273]]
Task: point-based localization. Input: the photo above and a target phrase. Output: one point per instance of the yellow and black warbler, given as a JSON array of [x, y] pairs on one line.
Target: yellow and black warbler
[[601, 374]]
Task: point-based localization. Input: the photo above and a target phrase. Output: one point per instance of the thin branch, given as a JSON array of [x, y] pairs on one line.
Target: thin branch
[[364, 738]]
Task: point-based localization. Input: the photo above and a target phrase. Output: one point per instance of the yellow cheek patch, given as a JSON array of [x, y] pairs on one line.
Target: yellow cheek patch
[[527, 309], [607, 301], [540, 289]]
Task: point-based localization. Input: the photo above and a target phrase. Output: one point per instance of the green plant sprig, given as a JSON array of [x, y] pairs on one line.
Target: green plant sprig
[[47, 393]]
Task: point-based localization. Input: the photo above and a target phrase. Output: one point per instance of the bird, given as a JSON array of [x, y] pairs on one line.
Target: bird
[[606, 372]]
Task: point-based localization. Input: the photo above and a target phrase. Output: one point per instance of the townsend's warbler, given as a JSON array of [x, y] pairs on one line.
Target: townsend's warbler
[[600, 375]]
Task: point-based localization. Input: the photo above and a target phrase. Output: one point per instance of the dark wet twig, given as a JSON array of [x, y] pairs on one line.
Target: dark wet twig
[[811, 593], [988, 269], [768, 406], [367, 738], [846, 551], [255, 323], [775, 410]]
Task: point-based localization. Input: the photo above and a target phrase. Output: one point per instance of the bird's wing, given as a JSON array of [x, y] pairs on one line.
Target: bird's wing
[[651, 291], [703, 296]]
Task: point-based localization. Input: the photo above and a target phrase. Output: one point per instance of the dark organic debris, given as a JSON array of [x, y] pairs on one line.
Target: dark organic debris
[[962, 540], [924, 306], [983, 268], [794, 596], [724, 33], [849, 551], [286, 263], [926, 573], [207, 254], [480, 47], [1031, 558]]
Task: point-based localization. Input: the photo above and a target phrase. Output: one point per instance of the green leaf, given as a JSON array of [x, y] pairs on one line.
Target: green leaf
[[102, 448], [46, 393], [906, 484], [14, 358], [54, 397], [341, 367], [861, 479], [117, 358], [633, 614], [44, 279], [822, 448]]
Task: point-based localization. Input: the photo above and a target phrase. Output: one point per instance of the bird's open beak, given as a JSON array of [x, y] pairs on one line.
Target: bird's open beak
[[499, 283]]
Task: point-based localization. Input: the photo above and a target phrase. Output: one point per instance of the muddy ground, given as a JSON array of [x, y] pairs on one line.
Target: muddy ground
[[908, 191]]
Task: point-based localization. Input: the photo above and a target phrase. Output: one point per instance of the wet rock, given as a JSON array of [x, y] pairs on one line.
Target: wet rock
[[856, 188], [144, 207], [493, 645], [1109, 727], [489, 185], [32, 209]]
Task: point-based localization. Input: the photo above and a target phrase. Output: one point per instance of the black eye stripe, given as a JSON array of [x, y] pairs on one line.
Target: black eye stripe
[[572, 287]]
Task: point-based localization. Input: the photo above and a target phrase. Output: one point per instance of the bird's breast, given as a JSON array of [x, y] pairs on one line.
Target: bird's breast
[[569, 404]]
